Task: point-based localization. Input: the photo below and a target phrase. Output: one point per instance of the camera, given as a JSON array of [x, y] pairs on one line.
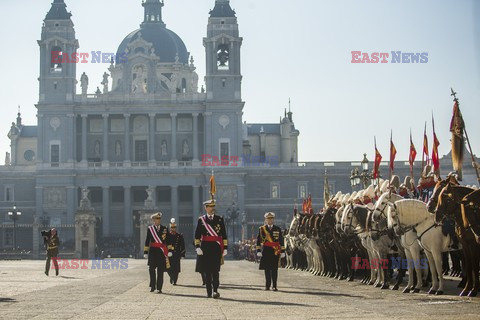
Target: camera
[[46, 233]]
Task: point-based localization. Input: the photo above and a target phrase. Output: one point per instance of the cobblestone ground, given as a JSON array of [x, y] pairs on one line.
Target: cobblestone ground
[[27, 293]]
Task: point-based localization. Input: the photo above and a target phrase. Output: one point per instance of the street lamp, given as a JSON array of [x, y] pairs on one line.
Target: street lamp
[[232, 214], [14, 214]]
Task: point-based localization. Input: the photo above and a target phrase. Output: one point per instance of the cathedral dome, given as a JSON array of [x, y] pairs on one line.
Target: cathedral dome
[[167, 44]]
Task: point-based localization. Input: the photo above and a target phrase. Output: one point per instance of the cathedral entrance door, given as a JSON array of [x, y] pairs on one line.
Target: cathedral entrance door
[[141, 150]]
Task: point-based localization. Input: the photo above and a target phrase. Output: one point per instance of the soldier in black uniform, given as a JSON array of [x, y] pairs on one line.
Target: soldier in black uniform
[[210, 241], [52, 242], [271, 238], [158, 249], [178, 244]]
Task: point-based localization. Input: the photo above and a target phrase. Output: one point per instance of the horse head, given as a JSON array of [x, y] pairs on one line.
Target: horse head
[[433, 201]]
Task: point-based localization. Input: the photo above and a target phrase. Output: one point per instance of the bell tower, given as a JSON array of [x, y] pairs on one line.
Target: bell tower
[[222, 45], [58, 48]]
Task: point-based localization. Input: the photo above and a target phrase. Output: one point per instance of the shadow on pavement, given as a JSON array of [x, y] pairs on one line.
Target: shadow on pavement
[[242, 301], [7, 300]]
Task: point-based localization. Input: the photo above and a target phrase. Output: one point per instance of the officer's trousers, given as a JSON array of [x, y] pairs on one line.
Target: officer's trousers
[[212, 279], [156, 281], [271, 276]]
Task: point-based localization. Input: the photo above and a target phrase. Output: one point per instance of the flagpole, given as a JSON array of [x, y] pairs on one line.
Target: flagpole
[[423, 146], [474, 162], [390, 169], [410, 155], [378, 173]]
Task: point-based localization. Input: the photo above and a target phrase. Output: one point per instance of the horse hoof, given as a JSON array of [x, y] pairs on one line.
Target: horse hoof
[[378, 285], [464, 293], [406, 290], [395, 287], [371, 283], [439, 293], [416, 290], [472, 293], [431, 291], [349, 279], [385, 286]]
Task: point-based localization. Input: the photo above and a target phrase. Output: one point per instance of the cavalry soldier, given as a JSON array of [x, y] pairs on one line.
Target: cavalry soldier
[[178, 244], [271, 238], [157, 249], [211, 246], [426, 183], [52, 242]]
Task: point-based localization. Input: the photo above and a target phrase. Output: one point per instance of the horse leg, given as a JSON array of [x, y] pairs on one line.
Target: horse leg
[[437, 256], [475, 269], [468, 270], [433, 270]]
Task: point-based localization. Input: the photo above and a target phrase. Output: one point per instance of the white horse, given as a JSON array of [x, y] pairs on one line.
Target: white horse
[[410, 214], [408, 241]]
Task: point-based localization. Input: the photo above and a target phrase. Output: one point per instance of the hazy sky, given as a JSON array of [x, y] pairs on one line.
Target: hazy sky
[[292, 49]]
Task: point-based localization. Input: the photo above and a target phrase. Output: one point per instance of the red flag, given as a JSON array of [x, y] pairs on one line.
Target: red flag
[[436, 143], [393, 153], [425, 144], [378, 159], [413, 152]]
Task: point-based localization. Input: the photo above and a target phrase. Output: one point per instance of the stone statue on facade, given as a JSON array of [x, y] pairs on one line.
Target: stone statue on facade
[[85, 204], [163, 148], [105, 82], [186, 148], [149, 203], [84, 83], [96, 149], [195, 82], [118, 148], [138, 84]]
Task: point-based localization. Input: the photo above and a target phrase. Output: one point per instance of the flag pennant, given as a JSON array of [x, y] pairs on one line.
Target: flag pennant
[[413, 152], [435, 157], [457, 127], [378, 159], [393, 153]]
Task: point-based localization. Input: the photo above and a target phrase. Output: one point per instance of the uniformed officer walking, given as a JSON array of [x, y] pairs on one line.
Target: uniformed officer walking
[[178, 244], [52, 242], [157, 249], [211, 246], [270, 248]]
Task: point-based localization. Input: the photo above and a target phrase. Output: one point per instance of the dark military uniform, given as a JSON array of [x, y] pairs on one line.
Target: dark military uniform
[[178, 244], [52, 252], [209, 263], [156, 256], [271, 252]]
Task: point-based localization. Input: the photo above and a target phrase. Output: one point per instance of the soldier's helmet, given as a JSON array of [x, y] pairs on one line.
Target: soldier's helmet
[[157, 215], [209, 203]]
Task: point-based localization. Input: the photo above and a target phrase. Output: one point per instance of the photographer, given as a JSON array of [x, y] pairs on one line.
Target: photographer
[[50, 239]]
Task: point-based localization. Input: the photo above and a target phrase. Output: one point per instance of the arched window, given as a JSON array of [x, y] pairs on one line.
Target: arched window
[[56, 58], [223, 56], [184, 85]]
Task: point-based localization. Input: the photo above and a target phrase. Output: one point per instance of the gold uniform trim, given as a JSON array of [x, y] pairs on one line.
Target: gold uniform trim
[[170, 247], [197, 241], [225, 242], [146, 248]]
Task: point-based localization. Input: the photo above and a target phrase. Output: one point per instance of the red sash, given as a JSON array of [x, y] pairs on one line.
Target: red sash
[[213, 236]]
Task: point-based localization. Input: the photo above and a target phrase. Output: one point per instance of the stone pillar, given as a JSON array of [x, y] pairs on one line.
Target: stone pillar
[[40, 142], [71, 205], [151, 139], [38, 214], [208, 133], [173, 156], [105, 140], [84, 137], [239, 141], [85, 222], [174, 202], [196, 205], [36, 237], [127, 211], [145, 222], [195, 136], [127, 139], [106, 211]]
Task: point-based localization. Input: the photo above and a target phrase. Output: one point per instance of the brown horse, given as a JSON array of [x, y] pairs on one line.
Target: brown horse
[[449, 205], [471, 205]]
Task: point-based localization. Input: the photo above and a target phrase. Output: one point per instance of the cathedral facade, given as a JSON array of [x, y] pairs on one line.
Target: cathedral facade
[[150, 138]]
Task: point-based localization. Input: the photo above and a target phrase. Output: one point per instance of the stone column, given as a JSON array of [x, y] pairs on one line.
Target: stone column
[[196, 205], [106, 211], [40, 142], [105, 140], [127, 211], [71, 205], [174, 202], [127, 140], [36, 237], [173, 149], [151, 142], [195, 137], [145, 222], [84, 137], [71, 137], [208, 133]]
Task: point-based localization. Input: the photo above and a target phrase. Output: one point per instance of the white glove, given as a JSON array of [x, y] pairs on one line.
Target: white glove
[[224, 252], [259, 254], [145, 256], [169, 254], [199, 251], [282, 255]]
